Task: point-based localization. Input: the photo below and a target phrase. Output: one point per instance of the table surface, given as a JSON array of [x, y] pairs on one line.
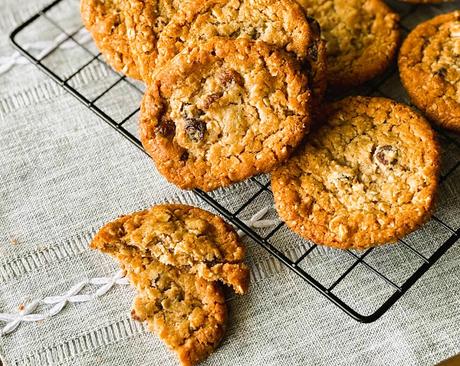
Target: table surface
[[63, 174]]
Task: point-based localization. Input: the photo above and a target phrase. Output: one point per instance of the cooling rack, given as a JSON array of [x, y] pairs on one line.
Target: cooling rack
[[330, 272]]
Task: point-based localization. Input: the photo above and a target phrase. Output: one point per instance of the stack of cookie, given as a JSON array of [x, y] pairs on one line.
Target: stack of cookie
[[230, 84], [234, 88]]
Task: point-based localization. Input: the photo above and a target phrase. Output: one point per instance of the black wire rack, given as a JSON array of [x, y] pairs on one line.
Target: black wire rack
[[338, 269]]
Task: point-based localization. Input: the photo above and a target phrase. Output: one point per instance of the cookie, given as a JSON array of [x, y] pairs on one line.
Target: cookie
[[187, 312], [366, 176], [281, 23], [223, 111], [429, 66], [362, 37], [145, 20], [181, 236], [104, 19]]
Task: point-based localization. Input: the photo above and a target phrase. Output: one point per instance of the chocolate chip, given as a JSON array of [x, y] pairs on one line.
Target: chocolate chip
[[195, 129], [386, 154], [231, 76], [315, 27]]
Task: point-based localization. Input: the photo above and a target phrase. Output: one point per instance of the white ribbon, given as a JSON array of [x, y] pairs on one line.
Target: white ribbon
[[59, 302], [256, 221], [24, 315], [108, 283]]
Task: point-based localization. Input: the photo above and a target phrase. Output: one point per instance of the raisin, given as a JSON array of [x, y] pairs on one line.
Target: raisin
[[306, 65], [386, 154], [315, 27], [211, 98], [165, 127], [231, 76], [195, 129], [184, 156]]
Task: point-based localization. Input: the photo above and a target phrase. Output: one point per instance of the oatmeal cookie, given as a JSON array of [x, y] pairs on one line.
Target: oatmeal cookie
[[105, 20], [145, 20], [187, 312], [429, 66], [281, 23], [223, 111], [181, 236], [362, 37], [367, 176]]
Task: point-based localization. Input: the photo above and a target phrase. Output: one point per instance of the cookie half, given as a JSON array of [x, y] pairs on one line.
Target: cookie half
[[187, 312], [429, 66], [367, 176], [223, 111], [145, 20], [362, 37], [281, 23], [105, 20], [185, 237]]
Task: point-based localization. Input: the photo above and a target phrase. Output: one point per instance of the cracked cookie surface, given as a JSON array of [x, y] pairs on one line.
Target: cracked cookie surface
[[281, 23], [145, 20], [187, 312], [105, 20], [429, 65], [181, 236], [367, 176], [362, 37], [224, 111]]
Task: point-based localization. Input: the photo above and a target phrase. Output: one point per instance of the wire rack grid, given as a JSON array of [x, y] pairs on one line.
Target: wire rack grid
[[330, 272]]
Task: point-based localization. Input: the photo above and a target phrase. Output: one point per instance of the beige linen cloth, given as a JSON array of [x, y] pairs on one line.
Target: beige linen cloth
[[63, 173]]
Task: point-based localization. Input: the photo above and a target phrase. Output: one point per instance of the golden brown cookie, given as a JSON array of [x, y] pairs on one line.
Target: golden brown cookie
[[281, 23], [224, 111], [145, 20], [181, 236], [187, 312], [105, 20], [367, 176], [429, 66], [362, 37]]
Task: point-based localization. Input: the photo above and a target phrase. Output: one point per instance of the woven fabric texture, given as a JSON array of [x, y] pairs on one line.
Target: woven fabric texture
[[63, 173]]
